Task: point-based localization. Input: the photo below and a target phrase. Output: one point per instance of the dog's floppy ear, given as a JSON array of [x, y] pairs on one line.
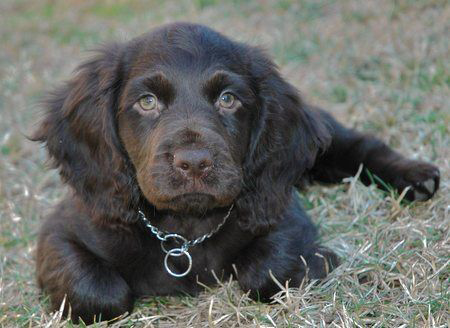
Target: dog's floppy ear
[[285, 141], [79, 131]]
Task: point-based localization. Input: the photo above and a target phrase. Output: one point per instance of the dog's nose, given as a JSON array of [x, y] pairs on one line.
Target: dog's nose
[[194, 163]]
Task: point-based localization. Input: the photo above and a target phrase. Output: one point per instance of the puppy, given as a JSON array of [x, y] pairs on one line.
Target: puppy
[[183, 150]]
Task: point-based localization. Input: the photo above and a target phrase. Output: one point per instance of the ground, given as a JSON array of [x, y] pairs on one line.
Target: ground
[[381, 66]]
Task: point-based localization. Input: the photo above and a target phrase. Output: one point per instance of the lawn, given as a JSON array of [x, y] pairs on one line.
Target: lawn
[[380, 66]]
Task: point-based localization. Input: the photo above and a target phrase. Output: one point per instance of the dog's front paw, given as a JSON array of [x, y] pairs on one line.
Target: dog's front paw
[[422, 178], [321, 262]]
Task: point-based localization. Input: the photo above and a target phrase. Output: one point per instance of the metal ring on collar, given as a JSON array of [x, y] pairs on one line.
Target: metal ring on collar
[[176, 252], [172, 236]]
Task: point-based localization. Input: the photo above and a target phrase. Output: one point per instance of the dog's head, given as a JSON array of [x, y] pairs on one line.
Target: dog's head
[[183, 119]]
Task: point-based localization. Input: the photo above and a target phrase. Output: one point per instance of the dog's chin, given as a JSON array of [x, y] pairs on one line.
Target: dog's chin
[[193, 203]]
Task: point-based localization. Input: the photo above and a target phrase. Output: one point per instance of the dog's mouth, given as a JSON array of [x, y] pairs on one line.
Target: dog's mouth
[[194, 202], [167, 191], [193, 197]]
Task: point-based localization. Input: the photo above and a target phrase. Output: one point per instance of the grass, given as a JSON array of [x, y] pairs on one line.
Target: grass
[[380, 66]]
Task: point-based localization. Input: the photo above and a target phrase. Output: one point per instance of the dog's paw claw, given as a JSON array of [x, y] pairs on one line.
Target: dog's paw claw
[[424, 181], [424, 190], [430, 185]]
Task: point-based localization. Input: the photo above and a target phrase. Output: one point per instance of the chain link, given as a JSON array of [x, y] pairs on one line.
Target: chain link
[[162, 235]]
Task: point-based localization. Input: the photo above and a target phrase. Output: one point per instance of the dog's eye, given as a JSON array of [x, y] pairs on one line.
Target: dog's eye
[[148, 102], [227, 100]]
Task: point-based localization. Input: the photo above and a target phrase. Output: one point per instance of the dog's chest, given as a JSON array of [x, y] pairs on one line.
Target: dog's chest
[[211, 260]]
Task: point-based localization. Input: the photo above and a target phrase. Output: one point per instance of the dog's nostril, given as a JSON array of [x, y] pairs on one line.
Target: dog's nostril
[[192, 162], [184, 166]]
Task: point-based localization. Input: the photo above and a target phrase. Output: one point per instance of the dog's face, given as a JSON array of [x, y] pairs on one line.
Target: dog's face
[[183, 119]]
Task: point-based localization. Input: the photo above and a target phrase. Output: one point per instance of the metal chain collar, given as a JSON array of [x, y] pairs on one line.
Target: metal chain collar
[[164, 236]]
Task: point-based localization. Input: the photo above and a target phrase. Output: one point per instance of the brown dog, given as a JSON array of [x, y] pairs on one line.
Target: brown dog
[[183, 131]]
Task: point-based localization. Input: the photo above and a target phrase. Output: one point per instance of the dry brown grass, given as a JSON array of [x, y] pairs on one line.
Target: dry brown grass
[[381, 66]]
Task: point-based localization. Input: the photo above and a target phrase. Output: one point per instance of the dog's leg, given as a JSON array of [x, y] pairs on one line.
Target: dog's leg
[[289, 253], [92, 290], [382, 165]]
